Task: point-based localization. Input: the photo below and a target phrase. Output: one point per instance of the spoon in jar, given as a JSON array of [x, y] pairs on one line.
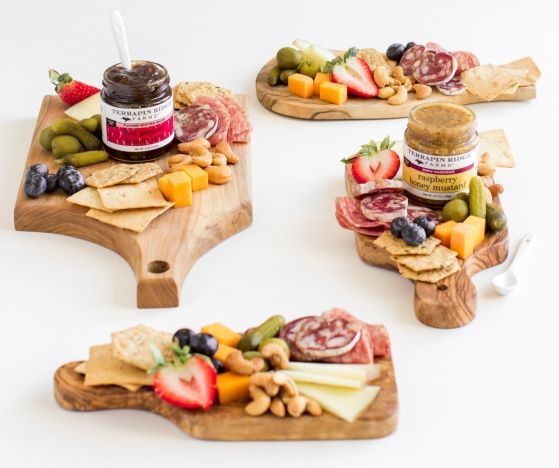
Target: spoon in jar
[[120, 38], [507, 281]]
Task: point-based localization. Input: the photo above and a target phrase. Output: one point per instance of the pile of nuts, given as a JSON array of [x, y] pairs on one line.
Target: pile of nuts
[[394, 85]]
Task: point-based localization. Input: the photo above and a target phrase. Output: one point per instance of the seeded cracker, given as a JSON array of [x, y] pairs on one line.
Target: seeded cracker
[[134, 220], [430, 276], [131, 345], [441, 257], [144, 171], [111, 176], [396, 246], [88, 197], [123, 197]]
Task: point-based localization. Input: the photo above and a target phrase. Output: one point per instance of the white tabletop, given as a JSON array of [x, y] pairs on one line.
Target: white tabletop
[[486, 394]]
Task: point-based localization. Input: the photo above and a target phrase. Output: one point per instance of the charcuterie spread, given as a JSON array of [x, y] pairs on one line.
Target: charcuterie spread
[[312, 373], [428, 211], [365, 83]]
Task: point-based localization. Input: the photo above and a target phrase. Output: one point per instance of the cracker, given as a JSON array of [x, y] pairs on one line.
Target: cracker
[[396, 246], [111, 176], [124, 197], [88, 197], [134, 220], [374, 58], [495, 143], [131, 345], [526, 63], [144, 171], [185, 93], [104, 368], [488, 81], [430, 276], [440, 257]]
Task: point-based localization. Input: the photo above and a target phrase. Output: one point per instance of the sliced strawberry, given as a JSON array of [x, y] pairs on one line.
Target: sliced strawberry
[[354, 72], [69, 90], [374, 162], [191, 385]]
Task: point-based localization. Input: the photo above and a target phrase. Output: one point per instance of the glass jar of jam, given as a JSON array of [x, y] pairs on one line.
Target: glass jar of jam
[[137, 111], [440, 152]]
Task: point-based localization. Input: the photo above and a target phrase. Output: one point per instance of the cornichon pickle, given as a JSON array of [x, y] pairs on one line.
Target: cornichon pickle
[[45, 138], [89, 124], [477, 197], [268, 329], [85, 158], [69, 127], [285, 74], [278, 341], [65, 144], [495, 218], [273, 76]]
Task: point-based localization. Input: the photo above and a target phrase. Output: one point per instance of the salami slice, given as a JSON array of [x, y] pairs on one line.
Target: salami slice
[[435, 68], [224, 118], [290, 332], [453, 87], [239, 130], [195, 121], [349, 216], [384, 207], [434, 47], [411, 59], [414, 211], [464, 60], [380, 340], [373, 186], [324, 338]]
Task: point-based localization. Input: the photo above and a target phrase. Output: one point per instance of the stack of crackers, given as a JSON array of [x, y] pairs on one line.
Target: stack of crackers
[[125, 361], [123, 195], [429, 262]]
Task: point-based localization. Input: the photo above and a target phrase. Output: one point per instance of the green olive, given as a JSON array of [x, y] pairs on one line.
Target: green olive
[[273, 76], [288, 57], [309, 68], [46, 137], [285, 74]]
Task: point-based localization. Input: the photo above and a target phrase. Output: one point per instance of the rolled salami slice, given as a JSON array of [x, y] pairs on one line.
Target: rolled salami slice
[[384, 207], [435, 68], [322, 338], [414, 211], [195, 121], [453, 88], [224, 119], [434, 47], [411, 59], [289, 333], [464, 60]]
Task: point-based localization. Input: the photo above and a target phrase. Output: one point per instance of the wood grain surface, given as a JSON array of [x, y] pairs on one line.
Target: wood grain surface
[[279, 100], [230, 422], [163, 254]]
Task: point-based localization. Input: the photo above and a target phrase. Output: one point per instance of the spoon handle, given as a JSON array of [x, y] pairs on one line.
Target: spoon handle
[[521, 250], [120, 39]]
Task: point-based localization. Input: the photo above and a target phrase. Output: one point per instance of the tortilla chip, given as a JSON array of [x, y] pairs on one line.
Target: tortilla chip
[[396, 246], [124, 197], [134, 220], [526, 63], [430, 276], [103, 368], [495, 143], [144, 171], [131, 345], [488, 81], [88, 197], [440, 257], [111, 176], [81, 368]]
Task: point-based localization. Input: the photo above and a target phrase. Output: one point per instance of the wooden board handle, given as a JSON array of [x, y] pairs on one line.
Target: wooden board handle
[[158, 285]]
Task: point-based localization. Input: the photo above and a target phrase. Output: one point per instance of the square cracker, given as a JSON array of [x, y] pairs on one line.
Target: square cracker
[[88, 197], [144, 171], [489, 81], [131, 345], [124, 197], [396, 246], [134, 220], [103, 368], [111, 176], [430, 276], [495, 143], [440, 257]]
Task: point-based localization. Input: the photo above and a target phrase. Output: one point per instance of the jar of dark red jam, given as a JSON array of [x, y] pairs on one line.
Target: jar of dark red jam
[[137, 112]]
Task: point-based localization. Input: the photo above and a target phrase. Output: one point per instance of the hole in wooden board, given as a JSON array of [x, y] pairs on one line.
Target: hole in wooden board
[[442, 287], [158, 267]]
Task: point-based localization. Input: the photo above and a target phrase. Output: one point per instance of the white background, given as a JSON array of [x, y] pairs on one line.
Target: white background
[[483, 395]]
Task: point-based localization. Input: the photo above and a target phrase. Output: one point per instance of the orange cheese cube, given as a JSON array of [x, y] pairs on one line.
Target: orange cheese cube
[[223, 351], [198, 176], [442, 232], [222, 334], [176, 187], [318, 80], [300, 85], [479, 226], [333, 92], [463, 239], [232, 387]]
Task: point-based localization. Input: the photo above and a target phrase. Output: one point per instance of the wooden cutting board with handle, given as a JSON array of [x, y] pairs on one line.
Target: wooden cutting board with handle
[[163, 254], [230, 422]]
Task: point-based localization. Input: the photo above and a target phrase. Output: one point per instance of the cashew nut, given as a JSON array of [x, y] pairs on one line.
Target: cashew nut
[[224, 148], [177, 167], [219, 159], [260, 401], [400, 97], [185, 147], [218, 174], [287, 386], [381, 76], [422, 91], [276, 355], [407, 84], [485, 169], [176, 159], [265, 380], [398, 74], [386, 92], [297, 405], [236, 362], [277, 407]]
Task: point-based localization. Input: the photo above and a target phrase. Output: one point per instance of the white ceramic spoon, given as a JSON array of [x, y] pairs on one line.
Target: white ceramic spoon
[[507, 281], [120, 39]]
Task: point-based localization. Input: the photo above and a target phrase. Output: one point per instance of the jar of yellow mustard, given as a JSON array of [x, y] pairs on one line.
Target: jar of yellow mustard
[[440, 152]]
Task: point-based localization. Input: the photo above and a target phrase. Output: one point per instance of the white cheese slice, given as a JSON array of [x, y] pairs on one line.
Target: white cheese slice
[[362, 372], [346, 403], [323, 379], [86, 108]]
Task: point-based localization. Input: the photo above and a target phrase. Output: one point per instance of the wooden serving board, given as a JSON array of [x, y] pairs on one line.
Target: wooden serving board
[[162, 255], [279, 100], [451, 302], [230, 422]]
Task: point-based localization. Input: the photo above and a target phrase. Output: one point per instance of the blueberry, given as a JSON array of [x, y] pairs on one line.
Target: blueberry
[[397, 225], [182, 337], [409, 45], [219, 367], [65, 169], [35, 186], [52, 182], [39, 169], [426, 223], [395, 52], [203, 343], [413, 234], [71, 181]]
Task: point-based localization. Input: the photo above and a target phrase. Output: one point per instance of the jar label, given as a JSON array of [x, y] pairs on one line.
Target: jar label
[[437, 178], [137, 129]]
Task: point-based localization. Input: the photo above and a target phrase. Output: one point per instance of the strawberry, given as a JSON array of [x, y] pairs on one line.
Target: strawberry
[[191, 385], [70, 90], [354, 72], [374, 162]]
